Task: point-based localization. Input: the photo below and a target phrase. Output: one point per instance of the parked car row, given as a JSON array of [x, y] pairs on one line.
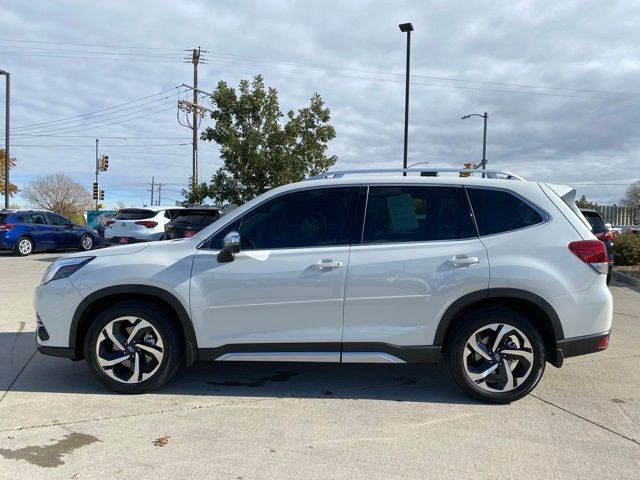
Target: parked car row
[[28, 231]]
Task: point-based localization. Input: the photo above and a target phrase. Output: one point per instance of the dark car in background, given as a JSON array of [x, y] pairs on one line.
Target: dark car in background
[[28, 231], [603, 234], [190, 220]]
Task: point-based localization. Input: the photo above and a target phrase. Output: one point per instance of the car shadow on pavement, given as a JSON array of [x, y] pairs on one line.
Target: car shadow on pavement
[[400, 383]]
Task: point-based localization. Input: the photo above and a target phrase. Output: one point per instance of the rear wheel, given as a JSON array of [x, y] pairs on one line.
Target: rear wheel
[[86, 242], [23, 247], [133, 347], [496, 356]]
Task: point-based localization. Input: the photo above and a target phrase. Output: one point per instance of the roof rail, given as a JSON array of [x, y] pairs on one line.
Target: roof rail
[[499, 174]]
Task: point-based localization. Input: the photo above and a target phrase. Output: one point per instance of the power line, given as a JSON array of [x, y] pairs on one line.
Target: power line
[[103, 145], [93, 116], [90, 44], [101, 110], [66, 129], [22, 54], [430, 77]]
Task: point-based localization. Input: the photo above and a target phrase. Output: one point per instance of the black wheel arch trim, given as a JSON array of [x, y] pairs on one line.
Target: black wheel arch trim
[[467, 300], [191, 344]]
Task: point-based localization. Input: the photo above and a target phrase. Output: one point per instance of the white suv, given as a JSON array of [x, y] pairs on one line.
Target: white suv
[[133, 225], [498, 276]]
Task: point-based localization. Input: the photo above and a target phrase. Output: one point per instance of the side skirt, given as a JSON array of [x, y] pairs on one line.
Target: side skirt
[[332, 352]]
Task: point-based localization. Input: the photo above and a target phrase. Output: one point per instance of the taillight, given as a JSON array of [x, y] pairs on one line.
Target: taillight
[[591, 252], [604, 343], [5, 227], [605, 236], [147, 223], [189, 233], [110, 222]]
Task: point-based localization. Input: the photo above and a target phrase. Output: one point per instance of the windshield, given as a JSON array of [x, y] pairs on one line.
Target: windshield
[[134, 214]]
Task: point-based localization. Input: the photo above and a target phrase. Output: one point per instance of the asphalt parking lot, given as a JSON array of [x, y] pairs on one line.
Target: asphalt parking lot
[[277, 421]]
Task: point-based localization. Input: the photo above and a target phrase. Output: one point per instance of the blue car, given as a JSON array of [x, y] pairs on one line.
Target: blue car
[[28, 231]]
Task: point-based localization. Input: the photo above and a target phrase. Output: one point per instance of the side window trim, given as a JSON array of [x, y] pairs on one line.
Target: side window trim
[[205, 244], [543, 213]]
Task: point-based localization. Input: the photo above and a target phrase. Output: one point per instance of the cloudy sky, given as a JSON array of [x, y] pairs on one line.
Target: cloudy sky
[[559, 80]]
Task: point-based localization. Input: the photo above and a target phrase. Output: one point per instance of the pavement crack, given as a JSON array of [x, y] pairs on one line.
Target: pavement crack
[[627, 314], [133, 415], [632, 440], [4, 394]]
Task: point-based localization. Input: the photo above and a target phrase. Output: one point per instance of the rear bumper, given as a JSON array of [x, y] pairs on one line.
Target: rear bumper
[[573, 347], [116, 240]]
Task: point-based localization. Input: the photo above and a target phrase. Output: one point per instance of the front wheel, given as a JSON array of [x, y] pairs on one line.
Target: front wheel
[[496, 356], [133, 347], [86, 242]]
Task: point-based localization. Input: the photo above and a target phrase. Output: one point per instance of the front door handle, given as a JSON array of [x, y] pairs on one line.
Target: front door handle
[[326, 264], [462, 261]]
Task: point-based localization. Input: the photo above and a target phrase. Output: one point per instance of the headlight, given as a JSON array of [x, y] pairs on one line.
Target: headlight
[[64, 267]]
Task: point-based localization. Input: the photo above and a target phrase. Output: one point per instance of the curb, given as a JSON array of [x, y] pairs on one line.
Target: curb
[[626, 279]]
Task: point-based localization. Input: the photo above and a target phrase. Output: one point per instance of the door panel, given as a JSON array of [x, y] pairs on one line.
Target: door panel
[[268, 296], [396, 292]]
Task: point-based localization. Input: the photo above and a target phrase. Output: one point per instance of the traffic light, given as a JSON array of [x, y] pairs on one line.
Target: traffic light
[[104, 163], [95, 190], [101, 194]]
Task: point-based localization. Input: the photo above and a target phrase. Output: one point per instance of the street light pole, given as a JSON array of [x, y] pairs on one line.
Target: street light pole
[[406, 28], [6, 138], [485, 116]]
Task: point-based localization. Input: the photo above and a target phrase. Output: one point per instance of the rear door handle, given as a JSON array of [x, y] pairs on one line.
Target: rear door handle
[[462, 261], [326, 264]]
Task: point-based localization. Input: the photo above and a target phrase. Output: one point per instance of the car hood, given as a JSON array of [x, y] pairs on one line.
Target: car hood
[[110, 251]]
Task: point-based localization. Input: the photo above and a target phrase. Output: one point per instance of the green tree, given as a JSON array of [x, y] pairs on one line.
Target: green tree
[[13, 189], [195, 195], [260, 147], [582, 202]]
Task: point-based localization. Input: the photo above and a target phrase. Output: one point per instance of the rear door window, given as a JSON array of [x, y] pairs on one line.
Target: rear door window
[[416, 214], [57, 219], [134, 214], [498, 211], [38, 218]]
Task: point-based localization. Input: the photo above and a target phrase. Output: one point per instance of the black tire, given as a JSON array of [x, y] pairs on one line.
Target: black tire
[[172, 349], [458, 360], [609, 277], [86, 242], [23, 247]]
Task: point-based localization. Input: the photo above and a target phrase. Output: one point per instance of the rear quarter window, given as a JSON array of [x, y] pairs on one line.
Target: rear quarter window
[[134, 214], [498, 211]]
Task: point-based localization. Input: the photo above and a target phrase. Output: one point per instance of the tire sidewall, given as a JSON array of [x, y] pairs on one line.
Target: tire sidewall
[[166, 329], [476, 321], [17, 247]]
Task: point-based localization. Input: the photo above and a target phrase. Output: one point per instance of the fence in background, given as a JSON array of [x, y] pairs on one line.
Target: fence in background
[[617, 215]]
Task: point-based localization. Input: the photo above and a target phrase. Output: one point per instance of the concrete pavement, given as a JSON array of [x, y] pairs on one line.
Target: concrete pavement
[[278, 421]]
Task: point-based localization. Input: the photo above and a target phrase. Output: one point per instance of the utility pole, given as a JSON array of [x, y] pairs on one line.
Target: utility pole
[[97, 170], [159, 194], [153, 187], [196, 61], [6, 138], [485, 116]]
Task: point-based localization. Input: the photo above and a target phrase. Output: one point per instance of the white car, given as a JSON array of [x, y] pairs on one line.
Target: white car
[[498, 276], [134, 225]]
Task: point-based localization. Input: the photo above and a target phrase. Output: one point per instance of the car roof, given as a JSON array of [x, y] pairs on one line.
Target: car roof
[[154, 208]]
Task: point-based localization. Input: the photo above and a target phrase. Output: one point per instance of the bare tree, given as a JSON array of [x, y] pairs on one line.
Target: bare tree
[[632, 195], [59, 193]]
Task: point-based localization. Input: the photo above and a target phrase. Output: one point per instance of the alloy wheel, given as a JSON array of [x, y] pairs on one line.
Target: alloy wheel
[[25, 246], [498, 357], [129, 350], [87, 242]]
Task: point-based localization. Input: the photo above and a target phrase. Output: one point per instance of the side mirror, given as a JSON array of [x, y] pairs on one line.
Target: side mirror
[[231, 246]]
